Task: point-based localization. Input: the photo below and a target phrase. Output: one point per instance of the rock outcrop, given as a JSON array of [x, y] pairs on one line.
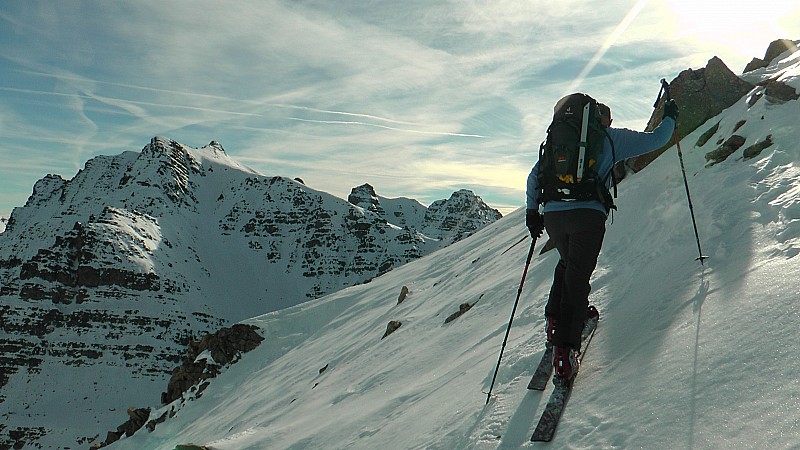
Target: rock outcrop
[[775, 49], [206, 357], [701, 94], [773, 86]]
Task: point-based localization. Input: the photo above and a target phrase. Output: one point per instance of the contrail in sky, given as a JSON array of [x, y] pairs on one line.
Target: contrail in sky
[[247, 102], [354, 122], [343, 113], [612, 38]]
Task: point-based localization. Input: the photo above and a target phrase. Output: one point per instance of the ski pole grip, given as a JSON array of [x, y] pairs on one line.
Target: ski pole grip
[[665, 88]]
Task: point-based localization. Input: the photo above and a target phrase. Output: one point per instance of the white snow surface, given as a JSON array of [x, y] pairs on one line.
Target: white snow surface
[[685, 355]]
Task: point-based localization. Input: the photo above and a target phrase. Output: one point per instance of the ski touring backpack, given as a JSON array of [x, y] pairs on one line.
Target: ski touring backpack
[[568, 157]]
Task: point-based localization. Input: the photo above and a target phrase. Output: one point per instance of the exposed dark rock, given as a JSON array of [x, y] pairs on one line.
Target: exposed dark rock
[[138, 417], [20, 437], [774, 50], [728, 148], [71, 261], [756, 149], [777, 47], [391, 328], [403, 294], [224, 346], [780, 92], [755, 63], [151, 425], [754, 98], [701, 141], [464, 307], [364, 196]]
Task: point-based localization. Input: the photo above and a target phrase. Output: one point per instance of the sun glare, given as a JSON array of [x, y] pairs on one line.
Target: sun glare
[[741, 28]]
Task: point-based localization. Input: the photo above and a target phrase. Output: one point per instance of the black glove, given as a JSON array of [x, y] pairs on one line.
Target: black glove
[[535, 222], [671, 110]]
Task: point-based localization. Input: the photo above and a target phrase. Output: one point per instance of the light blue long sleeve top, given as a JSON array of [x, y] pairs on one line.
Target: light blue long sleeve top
[[627, 144]]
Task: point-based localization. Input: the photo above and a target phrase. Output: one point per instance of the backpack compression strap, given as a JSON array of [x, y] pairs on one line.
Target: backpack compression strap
[[583, 144]]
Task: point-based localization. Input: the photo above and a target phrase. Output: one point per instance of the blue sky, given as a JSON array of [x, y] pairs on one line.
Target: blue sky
[[418, 98]]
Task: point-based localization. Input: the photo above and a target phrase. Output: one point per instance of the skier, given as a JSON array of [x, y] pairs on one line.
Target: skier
[[577, 228]]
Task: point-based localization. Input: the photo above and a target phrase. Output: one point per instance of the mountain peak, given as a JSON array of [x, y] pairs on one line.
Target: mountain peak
[[216, 146], [364, 196], [458, 216]]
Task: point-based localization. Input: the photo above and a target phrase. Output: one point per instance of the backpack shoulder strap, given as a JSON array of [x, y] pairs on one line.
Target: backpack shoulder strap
[[613, 163]]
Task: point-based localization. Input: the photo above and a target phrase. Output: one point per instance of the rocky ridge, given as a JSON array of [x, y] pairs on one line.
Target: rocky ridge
[[704, 93]]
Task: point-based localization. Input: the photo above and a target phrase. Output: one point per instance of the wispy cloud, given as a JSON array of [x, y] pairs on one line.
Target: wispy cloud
[[460, 91]]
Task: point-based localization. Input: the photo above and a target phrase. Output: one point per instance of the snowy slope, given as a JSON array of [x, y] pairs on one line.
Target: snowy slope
[[685, 356]]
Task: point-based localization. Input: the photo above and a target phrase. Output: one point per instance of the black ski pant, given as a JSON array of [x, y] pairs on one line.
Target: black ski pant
[[578, 236]]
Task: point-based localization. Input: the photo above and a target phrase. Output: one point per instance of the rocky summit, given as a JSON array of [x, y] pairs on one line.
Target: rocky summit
[[106, 277]]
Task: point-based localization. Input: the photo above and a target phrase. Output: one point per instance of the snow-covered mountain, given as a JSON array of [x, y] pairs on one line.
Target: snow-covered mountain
[[447, 221], [107, 276], [685, 356]]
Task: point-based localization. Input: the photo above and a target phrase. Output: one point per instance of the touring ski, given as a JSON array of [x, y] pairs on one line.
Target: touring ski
[[546, 427], [545, 368], [543, 371]]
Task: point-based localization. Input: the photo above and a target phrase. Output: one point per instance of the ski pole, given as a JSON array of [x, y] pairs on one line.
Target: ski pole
[[665, 89], [511, 320]]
